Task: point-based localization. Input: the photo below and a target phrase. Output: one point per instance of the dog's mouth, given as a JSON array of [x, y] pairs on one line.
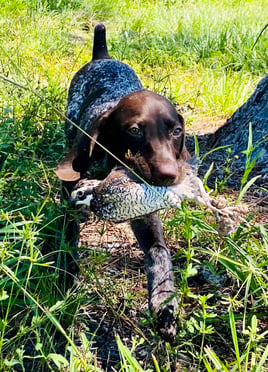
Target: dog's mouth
[[148, 177], [153, 177], [166, 182]]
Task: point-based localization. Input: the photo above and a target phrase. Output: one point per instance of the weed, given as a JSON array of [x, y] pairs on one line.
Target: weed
[[248, 166], [252, 359]]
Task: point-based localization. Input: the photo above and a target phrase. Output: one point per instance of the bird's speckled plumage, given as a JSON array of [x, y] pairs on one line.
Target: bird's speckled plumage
[[121, 197]]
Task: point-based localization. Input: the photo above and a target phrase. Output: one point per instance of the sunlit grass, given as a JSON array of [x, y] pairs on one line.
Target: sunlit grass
[[207, 41]]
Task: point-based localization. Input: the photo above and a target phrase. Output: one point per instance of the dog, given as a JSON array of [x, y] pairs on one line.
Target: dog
[[110, 116]]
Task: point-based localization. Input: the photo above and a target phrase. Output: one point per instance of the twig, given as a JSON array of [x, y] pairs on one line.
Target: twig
[[259, 36]]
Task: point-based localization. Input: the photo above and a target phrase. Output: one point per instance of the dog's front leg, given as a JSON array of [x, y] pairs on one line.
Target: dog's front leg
[[162, 297], [71, 236]]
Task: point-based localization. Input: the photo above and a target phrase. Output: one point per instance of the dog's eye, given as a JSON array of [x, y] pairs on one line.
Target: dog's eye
[[135, 131], [176, 131]]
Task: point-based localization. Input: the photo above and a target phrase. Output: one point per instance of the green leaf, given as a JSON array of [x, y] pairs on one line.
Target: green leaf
[[156, 365], [3, 294], [215, 360], [246, 187], [58, 305], [204, 225], [196, 147], [38, 346], [59, 360], [11, 363], [127, 357], [263, 360], [207, 174], [213, 150]]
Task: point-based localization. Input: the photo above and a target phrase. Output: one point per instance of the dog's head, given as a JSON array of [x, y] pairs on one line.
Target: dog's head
[[143, 130]]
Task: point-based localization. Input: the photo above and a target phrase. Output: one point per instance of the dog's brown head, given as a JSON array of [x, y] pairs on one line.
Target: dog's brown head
[[143, 124]]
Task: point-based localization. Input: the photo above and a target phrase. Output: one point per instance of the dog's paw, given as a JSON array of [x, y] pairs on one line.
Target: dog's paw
[[165, 310], [166, 323]]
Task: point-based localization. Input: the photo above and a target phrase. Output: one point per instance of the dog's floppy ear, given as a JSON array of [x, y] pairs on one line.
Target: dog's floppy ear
[[65, 171], [77, 161]]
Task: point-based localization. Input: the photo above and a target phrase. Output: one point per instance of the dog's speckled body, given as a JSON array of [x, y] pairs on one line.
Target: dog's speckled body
[[108, 102]]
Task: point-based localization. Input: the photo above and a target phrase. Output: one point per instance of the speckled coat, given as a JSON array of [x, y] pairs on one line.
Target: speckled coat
[[95, 89]]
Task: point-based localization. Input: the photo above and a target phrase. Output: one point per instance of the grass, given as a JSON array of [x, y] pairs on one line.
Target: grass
[[197, 53]]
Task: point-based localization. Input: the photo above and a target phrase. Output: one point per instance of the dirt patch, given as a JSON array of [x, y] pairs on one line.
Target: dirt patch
[[206, 125], [106, 235]]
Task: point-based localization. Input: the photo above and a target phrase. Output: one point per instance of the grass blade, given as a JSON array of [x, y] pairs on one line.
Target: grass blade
[[219, 365], [128, 357], [245, 188], [263, 360], [234, 336]]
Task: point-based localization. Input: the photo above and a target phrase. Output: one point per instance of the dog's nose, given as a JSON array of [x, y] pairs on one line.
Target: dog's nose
[[165, 175]]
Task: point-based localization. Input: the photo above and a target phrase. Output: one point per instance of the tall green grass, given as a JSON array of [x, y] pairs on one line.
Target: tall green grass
[[208, 41], [197, 53]]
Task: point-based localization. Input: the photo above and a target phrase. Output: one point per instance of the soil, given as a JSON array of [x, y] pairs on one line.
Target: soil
[[206, 125]]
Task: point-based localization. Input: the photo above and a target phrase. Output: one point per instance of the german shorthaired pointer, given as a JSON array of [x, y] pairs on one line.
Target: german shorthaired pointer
[[108, 102]]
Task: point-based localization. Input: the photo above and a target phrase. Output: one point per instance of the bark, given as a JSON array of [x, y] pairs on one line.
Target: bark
[[235, 134]]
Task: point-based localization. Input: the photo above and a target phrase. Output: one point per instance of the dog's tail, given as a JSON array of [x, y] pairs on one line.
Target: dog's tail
[[99, 45]]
